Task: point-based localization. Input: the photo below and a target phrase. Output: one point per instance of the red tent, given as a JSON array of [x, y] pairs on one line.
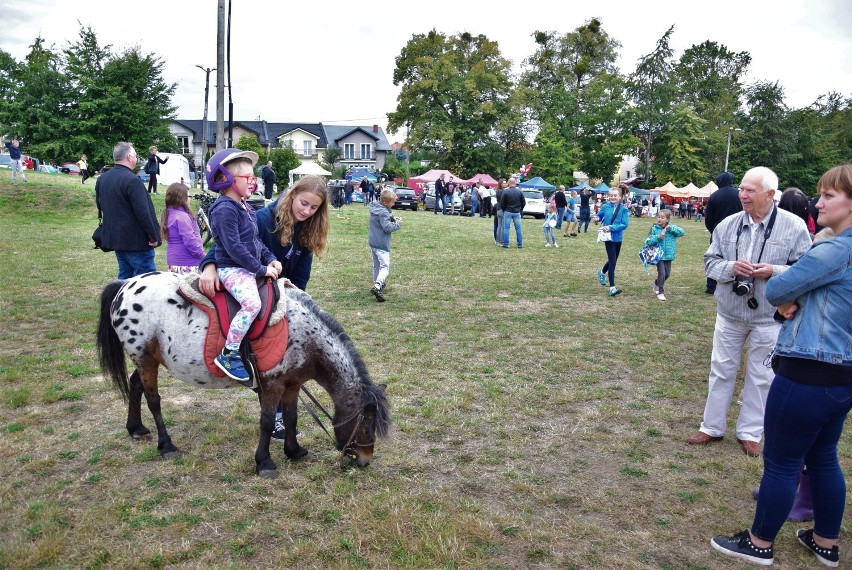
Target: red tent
[[486, 179], [432, 176]]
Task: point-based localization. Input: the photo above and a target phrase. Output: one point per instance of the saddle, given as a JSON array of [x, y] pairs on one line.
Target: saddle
[[266, 341]]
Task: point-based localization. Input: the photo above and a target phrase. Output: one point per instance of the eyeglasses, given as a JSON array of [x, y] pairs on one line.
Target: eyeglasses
[[249, 179]]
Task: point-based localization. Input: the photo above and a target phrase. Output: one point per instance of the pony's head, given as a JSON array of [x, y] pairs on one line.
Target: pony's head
[[355, 435]]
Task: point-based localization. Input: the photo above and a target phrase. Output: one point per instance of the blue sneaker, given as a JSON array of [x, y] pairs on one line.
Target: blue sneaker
[[232, 365], [601, 277]]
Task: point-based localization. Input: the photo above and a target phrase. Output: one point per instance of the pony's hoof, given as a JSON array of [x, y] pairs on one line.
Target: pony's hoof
[[172, 455], [298, 454], [268, 473], [141, 434]]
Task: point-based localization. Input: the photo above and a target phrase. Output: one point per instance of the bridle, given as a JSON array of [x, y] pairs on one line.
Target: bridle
[[348, 449]]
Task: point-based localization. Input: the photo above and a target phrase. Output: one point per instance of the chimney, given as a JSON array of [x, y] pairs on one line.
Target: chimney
[[375, 128]]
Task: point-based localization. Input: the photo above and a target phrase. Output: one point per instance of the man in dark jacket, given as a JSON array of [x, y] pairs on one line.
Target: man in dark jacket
[[440, 194], [269, 178], [512, 203], [721, 204], [130, 224], [561, 203]]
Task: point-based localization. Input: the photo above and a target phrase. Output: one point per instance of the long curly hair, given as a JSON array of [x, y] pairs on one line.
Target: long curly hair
[[314, 235]]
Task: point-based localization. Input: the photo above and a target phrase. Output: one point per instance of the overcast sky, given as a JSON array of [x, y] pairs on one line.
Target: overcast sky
[[332, 61]]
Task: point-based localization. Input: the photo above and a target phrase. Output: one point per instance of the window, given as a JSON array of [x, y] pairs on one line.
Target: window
[[288, 143], [307, 149], [349, 151], [366, 151], [183, 144]]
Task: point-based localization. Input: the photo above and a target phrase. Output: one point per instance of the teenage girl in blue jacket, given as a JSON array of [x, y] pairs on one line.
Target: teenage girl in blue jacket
[[615, 218]]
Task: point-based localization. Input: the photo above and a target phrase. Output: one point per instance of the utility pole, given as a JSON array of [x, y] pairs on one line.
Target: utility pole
[[728, 150], [204, 124], [220, 77]]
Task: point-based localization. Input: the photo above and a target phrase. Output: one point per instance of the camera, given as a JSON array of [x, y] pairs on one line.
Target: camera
[[742, 288]]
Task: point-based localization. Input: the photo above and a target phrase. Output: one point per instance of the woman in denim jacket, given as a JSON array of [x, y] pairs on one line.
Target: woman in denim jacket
[[811, 394]]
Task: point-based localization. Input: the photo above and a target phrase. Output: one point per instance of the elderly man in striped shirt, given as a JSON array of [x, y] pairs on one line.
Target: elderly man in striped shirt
[[747, 249]]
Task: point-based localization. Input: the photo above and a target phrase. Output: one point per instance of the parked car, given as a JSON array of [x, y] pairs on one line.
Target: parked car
[[70, 168], [429, 201], [143, 176], [536, 204], [47, 168], [5, 161], [406, 198]]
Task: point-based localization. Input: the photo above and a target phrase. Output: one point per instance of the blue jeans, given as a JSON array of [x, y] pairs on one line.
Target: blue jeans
[[474, 204], [802, 423], [508, 219], [560, 213], [443, 200], [133, 263], [549, 235], [585, 218]]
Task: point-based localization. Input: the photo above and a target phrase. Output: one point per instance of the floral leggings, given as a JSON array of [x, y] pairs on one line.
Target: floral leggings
[[243, 286]]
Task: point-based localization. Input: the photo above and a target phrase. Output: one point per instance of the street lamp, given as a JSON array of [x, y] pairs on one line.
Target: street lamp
[[204, 124], [728, 150]]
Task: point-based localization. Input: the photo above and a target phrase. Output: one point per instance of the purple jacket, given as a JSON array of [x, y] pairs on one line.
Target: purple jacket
[[237, 244], [184, 245]]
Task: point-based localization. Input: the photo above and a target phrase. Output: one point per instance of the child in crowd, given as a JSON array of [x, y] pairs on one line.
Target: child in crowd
[[184, 250], [664, 233], [382, 224], [614, 218], [241, 257], [83, 164], [550, 226]]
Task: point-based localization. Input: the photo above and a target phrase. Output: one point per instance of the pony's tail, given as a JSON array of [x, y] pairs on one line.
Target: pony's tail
[[110, 350]]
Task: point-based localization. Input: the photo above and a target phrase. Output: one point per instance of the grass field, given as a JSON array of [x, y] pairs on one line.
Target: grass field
[[538, 422]]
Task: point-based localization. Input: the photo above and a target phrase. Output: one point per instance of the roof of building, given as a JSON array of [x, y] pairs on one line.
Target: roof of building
[[269, 132]]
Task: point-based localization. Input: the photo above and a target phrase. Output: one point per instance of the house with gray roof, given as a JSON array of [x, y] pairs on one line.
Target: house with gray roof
[[361, 146]]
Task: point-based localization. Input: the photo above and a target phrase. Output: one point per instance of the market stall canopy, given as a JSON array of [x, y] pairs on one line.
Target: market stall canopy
[[706, 190], [602, 188], [580, 186], [486, 180], [432, 176], [538, 183], [308, 168], [671, 190], [639, 191], [690, 190]]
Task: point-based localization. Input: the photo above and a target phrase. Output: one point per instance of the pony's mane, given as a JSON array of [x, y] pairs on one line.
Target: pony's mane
[[337, 330], [371, 392]]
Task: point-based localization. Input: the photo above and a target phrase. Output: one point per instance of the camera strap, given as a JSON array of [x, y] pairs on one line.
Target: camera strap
[[766, 233]]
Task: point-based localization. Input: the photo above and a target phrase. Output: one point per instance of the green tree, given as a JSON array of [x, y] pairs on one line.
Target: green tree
[[684, 139], [652, 90], [37, 111], [605, 126], [249, 142], [331, 159], [767, 138], [708, 77], [87, 108], [553, 157], [283, 161], [454, 91]]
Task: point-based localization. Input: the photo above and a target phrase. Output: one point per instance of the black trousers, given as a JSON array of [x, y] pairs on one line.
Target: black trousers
[[267, 190], [152, 183]]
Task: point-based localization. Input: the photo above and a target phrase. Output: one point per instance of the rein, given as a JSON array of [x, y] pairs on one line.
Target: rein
[[350, 443]]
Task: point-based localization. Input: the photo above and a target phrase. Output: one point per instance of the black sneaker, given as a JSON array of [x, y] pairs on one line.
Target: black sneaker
[[377, 293], [278, 434], [829, 557], [740, 546]]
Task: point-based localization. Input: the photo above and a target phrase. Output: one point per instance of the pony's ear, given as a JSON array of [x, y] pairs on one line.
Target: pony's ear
[[370, 409]]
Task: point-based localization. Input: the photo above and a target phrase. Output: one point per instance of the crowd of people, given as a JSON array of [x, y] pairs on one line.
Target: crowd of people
[[783, 297]]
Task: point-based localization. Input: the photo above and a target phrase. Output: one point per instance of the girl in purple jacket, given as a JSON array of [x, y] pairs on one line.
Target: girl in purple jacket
[[184, 250]]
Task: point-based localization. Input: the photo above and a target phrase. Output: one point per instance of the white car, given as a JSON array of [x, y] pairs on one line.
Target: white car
[[536, 204]]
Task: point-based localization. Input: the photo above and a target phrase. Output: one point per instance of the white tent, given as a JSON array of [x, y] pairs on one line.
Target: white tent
[[308, 168], [176, 169]]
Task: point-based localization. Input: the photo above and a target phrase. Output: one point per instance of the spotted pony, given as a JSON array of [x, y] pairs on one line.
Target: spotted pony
[[147, 318]]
